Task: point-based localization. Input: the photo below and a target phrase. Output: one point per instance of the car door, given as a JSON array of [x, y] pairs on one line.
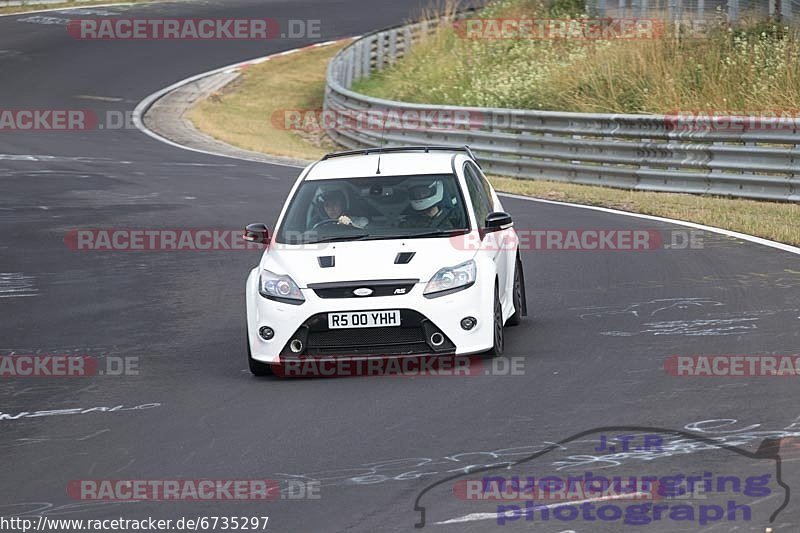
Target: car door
[[482, 205], [507, 238]]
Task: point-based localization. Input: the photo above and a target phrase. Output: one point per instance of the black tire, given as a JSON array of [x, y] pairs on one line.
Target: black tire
[[257, 368], [518, 296], [499, 338]]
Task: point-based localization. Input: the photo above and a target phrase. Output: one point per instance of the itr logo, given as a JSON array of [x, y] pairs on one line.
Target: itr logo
[[651, 442]]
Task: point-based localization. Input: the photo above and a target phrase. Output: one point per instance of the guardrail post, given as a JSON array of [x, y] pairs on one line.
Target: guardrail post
[[349, 66], [385, 50], [407, 37], [672, 9], [392, 46], [643, 8], [733, 10], [786, 9], [379, 43], [356, 57], [366, 52]]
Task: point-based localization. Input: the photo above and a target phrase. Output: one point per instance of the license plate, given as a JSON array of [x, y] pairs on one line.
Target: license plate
[[364, 319]]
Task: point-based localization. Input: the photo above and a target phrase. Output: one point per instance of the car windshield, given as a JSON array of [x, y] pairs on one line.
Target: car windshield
[[377, 207]]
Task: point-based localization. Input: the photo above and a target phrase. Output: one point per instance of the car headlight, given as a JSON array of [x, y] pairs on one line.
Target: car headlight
[[451, 279], [279, 288]]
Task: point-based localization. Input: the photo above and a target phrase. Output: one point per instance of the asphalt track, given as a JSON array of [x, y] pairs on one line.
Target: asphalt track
[[601, 326]]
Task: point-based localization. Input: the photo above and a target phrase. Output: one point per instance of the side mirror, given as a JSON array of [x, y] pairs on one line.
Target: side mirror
[[257, 233], [497, 221]]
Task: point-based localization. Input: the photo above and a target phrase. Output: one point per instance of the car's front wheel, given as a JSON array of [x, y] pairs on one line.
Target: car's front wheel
[[257, 368], [497, 347]]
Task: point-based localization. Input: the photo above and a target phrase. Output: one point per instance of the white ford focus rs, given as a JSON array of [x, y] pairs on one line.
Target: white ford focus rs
[[394, 252]]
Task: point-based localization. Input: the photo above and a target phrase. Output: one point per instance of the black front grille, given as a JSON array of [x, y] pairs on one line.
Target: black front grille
[[365, 337], [377, 351], [345, 289], [410, 338]]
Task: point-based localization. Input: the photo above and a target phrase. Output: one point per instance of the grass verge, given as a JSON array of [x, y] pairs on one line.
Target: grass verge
[[770, 220], [41, 7], [252, 111], [242, 115]]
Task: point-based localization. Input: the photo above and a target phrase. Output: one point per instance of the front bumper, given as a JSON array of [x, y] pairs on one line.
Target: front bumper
[[420, 318]]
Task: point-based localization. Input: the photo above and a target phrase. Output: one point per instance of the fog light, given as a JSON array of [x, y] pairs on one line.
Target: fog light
[[266, 333], [437, 339], [468, 323], [296, 346]]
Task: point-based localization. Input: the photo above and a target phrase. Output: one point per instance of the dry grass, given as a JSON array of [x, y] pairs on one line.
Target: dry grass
[[770, 220], [249, 112]]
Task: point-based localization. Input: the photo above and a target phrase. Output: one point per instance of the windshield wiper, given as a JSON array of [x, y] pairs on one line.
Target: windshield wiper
[[340, 238], [435, 233]]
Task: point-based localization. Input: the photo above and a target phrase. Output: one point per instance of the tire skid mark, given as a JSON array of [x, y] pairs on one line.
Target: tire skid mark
[[17, 285]]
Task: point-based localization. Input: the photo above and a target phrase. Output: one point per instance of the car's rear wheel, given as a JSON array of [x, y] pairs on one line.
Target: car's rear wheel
[[517, 296], [497, 347], [257, 368]]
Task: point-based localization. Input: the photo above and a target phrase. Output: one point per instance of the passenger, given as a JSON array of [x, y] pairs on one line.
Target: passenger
[[429, 209]]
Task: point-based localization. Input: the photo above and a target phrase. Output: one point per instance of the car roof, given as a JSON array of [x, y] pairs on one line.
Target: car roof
[[392, 164]]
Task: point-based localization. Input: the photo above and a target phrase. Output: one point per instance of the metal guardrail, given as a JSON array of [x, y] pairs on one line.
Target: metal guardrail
[[643, 152], [698, 10]]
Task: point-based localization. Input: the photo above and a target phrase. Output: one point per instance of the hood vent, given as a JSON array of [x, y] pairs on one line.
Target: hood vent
[[403, 258], [326, 261]]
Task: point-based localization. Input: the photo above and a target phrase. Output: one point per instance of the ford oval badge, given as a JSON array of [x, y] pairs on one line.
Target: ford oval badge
[[363, 291]]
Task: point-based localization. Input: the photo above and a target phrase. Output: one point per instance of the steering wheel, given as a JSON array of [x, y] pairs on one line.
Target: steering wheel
[[325, 223]]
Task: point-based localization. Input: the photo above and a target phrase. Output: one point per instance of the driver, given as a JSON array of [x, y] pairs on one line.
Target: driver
[[429, 209], [332, 205]]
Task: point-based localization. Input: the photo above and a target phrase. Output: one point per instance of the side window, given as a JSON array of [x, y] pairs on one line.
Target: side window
[[487, 189], [480, 202]]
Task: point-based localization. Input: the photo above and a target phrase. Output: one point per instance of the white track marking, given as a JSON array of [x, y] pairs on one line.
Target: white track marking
[[144, 105], [712, 229], [52, 9], [99, 98], [474, 517]]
